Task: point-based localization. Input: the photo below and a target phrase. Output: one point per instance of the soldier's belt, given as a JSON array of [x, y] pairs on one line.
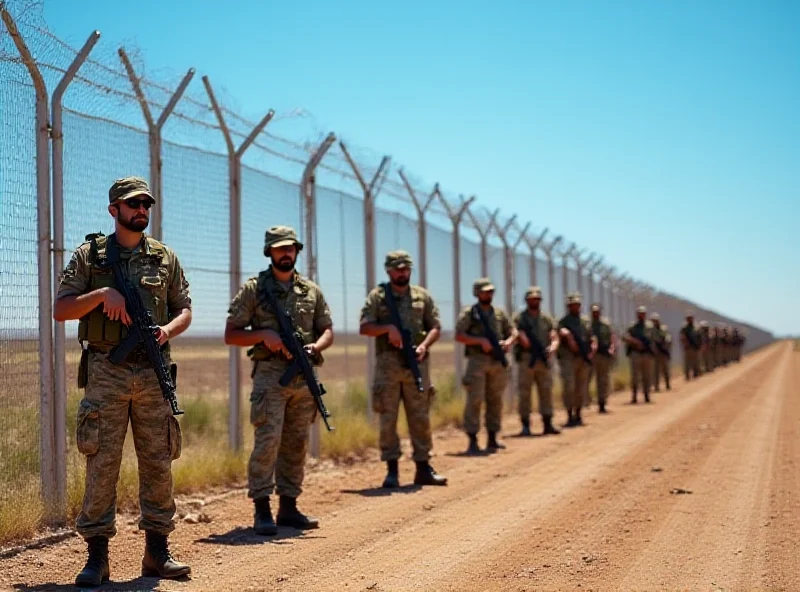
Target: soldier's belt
[[137, 356]]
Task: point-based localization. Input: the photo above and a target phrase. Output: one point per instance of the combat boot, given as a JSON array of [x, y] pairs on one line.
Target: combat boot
[[633, 397], [549, 428], [96, 571], [647, 396], [492, 445], [601, 407], [578, 419], [289, 515], [473, 448], [526, 427], [570, 419], [158, 561], [425, 475], [392, 480], [262, 521]]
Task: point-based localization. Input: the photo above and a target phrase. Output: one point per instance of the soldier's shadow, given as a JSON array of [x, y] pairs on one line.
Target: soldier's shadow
[[465, 454], [139, 584], [246, 536], [382, 491]]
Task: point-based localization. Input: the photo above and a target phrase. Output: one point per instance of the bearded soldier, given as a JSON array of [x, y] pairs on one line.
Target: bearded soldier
[[394, 379], [281, 415], [663, 352], [117, 394]]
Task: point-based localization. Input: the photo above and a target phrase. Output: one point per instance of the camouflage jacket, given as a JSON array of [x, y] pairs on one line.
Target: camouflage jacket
[[603, 332], [643, 331], [469, 324], [417, 310], [540, 325], [579, 327], [692, 335]]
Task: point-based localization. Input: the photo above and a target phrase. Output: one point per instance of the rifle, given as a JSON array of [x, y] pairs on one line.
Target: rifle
[[690, 338], [497, 351], [537, 349], [583, 347], [409, 351], [293, 342], [141, 331]]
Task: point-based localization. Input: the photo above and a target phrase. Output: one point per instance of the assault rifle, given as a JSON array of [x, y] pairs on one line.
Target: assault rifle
[[537, 349], [141, 331], [497, 350], [584, 348], [293, 342], [409, 351]]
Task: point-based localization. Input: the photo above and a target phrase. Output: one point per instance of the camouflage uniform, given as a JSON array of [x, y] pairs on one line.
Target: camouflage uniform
[[691, 351], [280, 415], [707, 353], [738, 344], [714, 335], [602, 360], [129, 392], [485, 378], [641, 360], [393, 379], [574, 369], [662, 340], [541, 325]]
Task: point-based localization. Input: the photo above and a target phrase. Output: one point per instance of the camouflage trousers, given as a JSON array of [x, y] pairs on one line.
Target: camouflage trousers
[[737, 353], [394, 383], [281, 417], [575, 380], [641, 371], [661, 370], [708, 360], [601, 369], [542, 376], [115, 395], [485, 380], [691, 363], [716, 354]]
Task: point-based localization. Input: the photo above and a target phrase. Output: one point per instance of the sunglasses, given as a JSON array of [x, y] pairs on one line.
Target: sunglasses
[[134, 203]]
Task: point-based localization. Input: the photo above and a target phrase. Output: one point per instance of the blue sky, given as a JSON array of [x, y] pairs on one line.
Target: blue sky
[[665, 135]]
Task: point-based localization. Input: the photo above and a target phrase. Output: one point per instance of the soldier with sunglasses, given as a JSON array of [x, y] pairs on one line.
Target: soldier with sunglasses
[[115, 394]]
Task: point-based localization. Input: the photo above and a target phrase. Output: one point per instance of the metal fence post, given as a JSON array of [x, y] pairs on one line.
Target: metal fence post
[[456, 216], [154, 128], [308, 196], [534, 245], [370, 194], [565, 256], [483, 232], [423, 229], [43, 245], [60, 336], [235, 231], [580, 267], [549, 250], [595, 268]]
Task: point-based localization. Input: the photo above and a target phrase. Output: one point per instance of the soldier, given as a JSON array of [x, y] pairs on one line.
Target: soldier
[[714, 334], [725, 343], [738, 344], [707, 353], [532, 321], [116, 393], [575, 352], [662, 340], [691, 344], [281, 415], [394, 380], [486, 376], [639, 338], [604, 357]]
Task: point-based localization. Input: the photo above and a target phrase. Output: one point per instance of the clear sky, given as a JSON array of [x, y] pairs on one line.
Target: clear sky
[[665, 135]]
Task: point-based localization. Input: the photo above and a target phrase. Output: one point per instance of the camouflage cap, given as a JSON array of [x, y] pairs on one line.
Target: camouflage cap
[[641, 309], [704, 323], [689, 313], [129, 187], [574, 298], [280, 236], [533, 292], [595, 307], [655, 317], [482, 285], [397, 260]]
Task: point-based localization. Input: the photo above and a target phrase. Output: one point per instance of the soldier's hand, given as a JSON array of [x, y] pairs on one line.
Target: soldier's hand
[[395, 337], [311, 349], [505, 344], [162, 335], [273, 342], [114, 306], [486, 346], [422, 351], [524, 341]]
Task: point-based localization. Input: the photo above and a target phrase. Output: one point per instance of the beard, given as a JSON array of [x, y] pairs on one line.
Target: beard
[[284, 264], [485, 300], [135, 224], [534, 307], [401, 281]]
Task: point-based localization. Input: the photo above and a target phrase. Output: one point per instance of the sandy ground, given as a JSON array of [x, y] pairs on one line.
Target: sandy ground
[[697, 491]]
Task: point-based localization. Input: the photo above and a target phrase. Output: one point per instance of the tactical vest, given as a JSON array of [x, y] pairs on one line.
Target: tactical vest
[[95, 327], [416, 296]]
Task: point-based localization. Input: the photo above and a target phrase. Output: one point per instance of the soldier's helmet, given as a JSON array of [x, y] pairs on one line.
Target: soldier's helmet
[[574, 298], [533, 292], [482, 285], [397, 260], [655, 317], [281, 236], [641, 309], [595, 307]]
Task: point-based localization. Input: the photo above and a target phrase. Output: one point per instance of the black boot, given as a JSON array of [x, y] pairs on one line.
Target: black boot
[[526, 427], [633, 397], [492, 445], [549, 428], [570, 419], [425, 475], [578, 419], [158, 561], [392, 481], [668, 387], [289, 515], [96, 571], [647, 396], [473, 448], [601, 407], [262, 521]]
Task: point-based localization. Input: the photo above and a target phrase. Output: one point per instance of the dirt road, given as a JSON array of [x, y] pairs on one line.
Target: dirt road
[[699, 491]]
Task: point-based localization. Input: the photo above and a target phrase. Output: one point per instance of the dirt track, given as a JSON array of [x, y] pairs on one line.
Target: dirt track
[[591, 509]]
